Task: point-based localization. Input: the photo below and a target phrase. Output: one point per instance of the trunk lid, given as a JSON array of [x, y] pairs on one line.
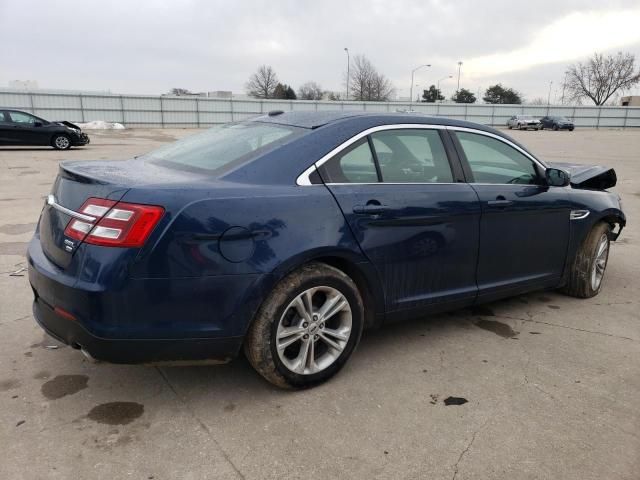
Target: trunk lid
[[72, 188], [79, 181]]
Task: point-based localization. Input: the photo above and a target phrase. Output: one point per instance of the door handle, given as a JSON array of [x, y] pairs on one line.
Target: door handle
[[499, 203], [370, 209]]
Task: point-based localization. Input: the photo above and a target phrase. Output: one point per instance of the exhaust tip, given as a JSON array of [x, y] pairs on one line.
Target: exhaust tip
[[88, 356]]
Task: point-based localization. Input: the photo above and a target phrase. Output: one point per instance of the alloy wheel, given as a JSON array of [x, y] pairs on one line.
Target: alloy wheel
[[600, 262], [314, 330], [62, 142]]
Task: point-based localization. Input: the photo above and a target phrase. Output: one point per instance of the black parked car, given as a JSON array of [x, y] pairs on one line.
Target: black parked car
[[556, 123], [22, 128]]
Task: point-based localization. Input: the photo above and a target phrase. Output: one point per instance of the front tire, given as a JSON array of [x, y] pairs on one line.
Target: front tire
[[555, 128], [61, 142], [586, 272], [307, 328]]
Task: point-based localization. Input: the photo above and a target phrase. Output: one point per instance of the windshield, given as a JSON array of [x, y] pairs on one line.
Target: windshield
[[223, 145], [560, 119], [525, 117]]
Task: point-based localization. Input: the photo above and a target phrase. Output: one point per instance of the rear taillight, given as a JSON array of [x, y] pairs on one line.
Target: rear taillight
[[117, 224]]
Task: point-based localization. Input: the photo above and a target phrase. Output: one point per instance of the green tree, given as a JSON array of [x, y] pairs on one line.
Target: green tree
[[463, 96], [284, 92], [498, 94], [432, 95]]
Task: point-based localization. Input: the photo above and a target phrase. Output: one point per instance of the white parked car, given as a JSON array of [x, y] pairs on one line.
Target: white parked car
[[524, 122]]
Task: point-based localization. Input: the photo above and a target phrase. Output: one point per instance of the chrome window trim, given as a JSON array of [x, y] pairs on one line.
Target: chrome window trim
[[51, 201], [503, 140], [303, 178]]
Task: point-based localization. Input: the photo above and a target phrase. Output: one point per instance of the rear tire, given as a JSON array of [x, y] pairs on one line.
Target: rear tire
[[307, 328], [586, 272], [61, 142]]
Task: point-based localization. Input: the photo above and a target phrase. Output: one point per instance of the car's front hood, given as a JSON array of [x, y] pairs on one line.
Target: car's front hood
[[68, 124], [588, 177]]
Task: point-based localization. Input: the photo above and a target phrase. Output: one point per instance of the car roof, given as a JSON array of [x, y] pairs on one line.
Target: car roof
[[313, 120]]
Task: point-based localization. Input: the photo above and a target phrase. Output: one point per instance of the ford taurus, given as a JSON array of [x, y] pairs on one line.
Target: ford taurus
[[288, 234]]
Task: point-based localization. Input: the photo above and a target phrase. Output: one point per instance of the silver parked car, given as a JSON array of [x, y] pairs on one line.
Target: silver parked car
[[523, 122]]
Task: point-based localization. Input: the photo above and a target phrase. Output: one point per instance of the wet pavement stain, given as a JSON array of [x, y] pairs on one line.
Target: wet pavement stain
[[553, 307], [17, 228], [116, 413], [42, 375], [544, 299], [455, 401], [499, 328], [230, 407], [28, 354], [535, 333], [482, 311], [21, 422], [64, 385], [9, 384]]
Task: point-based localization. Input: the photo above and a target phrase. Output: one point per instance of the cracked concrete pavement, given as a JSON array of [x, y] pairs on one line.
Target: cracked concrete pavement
[[552, 383]]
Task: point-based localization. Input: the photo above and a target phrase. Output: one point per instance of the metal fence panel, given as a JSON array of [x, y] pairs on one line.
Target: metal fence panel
[[181, 112]]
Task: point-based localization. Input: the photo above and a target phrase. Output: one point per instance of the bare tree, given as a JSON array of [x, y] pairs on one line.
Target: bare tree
[[602, 76], [262, 83], [366, 83], [310, 91]]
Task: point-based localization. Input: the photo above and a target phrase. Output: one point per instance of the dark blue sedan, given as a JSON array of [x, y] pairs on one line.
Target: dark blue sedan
[[288, 234]]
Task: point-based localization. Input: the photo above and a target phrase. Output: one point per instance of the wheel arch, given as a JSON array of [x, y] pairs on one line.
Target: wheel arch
[[613, 217], [353, 264]]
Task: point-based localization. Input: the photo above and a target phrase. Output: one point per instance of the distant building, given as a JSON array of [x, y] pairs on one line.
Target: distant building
[[23, 84], [631, 101]]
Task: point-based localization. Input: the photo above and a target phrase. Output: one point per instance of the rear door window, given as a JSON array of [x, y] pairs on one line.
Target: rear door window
[[411, 156], [355, 164]]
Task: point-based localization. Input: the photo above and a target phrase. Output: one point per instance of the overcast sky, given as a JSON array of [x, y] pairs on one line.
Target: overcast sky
[[144, 46]]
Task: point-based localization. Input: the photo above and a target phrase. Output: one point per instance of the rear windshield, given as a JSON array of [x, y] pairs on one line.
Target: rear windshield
[[223, 146]]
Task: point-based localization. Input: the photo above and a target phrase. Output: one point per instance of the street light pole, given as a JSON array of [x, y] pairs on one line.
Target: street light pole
[[348, 64], [443, 78], [411, 89], [549, 96], [459, 67]]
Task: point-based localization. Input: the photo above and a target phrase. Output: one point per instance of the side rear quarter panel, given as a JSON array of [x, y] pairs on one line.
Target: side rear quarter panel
[[259, 231]]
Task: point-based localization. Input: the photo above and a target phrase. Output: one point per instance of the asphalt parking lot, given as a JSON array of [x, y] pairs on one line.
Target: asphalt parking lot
[[551, 383]]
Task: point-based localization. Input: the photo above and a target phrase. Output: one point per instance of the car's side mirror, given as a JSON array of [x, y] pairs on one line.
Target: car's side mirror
[[37, 124], [556, 177]]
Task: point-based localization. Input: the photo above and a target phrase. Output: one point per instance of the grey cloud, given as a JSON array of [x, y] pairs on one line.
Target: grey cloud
[[149, 47]]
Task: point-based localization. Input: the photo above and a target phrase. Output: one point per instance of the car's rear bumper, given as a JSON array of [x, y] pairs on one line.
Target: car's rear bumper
[[134, 351], [142, 320]]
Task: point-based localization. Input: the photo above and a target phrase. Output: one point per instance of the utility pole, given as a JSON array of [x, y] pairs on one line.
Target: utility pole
[[411, 89], [443, 78], [549, 96], [459, 68], [348, 65]]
